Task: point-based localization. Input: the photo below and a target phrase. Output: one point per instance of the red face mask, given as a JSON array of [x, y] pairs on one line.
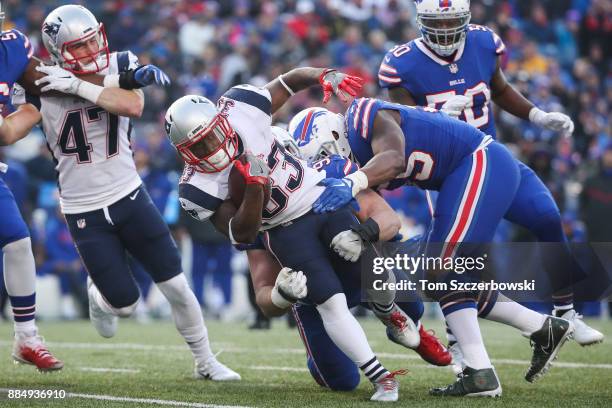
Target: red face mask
[[213, 148], [89, 62]]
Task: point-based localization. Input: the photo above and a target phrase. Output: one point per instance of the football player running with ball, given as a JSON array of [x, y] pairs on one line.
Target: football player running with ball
[[456, 67], [210, 138], [108, 210]]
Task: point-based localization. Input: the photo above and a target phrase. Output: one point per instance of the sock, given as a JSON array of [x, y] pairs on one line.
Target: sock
[[20, 281], [562, 303], [374, 370], [464, 326], [187, 316], [382, 309], [344, 330], [449, 335], [509, 312]]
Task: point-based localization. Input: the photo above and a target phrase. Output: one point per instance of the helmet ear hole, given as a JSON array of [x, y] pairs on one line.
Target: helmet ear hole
[[336, 135]]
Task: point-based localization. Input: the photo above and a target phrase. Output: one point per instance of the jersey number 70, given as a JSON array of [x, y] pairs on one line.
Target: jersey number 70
[[439, 99]]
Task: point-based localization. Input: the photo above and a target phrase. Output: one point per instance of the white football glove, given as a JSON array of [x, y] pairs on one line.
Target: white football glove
[[61, 80], [556, 121], [455, 105], [57, 79], [348, 244], [290, 286]]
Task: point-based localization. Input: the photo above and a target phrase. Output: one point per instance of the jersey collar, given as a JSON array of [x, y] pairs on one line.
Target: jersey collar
[[425, 50]]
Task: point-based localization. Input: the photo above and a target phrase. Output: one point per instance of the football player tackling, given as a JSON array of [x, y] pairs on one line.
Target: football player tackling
[[456, 67], [210, 139]]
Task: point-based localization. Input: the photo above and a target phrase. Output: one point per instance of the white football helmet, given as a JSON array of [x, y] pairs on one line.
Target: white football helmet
[[319, 133], [286, 140], [443, 23], [202, 136], [69, 25]]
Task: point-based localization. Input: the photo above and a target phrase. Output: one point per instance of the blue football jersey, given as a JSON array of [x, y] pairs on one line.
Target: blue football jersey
[[435, 142], [432, 81], [15, 54]]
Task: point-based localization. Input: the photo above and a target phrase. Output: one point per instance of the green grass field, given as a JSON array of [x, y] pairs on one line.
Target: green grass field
[[150, 362]]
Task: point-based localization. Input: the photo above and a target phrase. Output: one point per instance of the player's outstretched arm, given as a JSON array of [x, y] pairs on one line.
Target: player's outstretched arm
[[387, 163], [18, 124], [298, 79], [512, 101]]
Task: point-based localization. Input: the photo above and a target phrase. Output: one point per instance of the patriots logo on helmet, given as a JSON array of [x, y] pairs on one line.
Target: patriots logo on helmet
[[51, 29]]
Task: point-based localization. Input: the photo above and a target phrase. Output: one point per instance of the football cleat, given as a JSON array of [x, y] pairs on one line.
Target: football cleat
[[400, 328], [458, 363], [583, 333], [387, 388], [546, 344], [32, 350], [105, 323], [212, 369], [431, 350], [472, 383]]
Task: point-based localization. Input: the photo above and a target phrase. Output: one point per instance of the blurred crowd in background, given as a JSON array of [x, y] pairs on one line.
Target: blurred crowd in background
[[558, 55]]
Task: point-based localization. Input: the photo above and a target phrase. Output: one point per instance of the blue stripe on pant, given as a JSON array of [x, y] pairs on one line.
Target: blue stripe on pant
[[12, 226]]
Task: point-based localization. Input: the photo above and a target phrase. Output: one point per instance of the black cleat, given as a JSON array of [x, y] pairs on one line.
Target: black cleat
[[546, 344], [471, 383]]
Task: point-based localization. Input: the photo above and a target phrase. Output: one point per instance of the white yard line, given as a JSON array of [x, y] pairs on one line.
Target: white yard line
[[274, 368], [255, 350], [171, 403], [110, 370]]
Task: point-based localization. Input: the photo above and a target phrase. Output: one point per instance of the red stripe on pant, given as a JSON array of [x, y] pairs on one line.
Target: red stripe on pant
[[469, 205]]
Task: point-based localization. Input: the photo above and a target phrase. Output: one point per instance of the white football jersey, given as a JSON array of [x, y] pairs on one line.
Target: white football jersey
[[91, 147], [294, 184]]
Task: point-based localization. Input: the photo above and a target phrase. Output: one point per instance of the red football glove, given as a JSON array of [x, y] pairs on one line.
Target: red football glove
[[341, 85], [254, 170]]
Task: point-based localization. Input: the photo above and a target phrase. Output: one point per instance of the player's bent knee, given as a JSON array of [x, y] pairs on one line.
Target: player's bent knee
[[22, 247], [345, 382], [176, 290], [126, 311]]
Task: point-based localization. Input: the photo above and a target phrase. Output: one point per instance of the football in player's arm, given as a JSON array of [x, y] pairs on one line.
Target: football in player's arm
[[243, 228]]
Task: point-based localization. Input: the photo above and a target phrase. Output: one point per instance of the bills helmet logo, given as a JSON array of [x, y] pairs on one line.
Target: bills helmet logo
[[446, 3], [51, 29]]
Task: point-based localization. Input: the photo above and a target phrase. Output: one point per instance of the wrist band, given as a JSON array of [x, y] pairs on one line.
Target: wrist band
[[89, 91], [369, 230], [280, 78], [279, 300], [111, 81], [360, 181]]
